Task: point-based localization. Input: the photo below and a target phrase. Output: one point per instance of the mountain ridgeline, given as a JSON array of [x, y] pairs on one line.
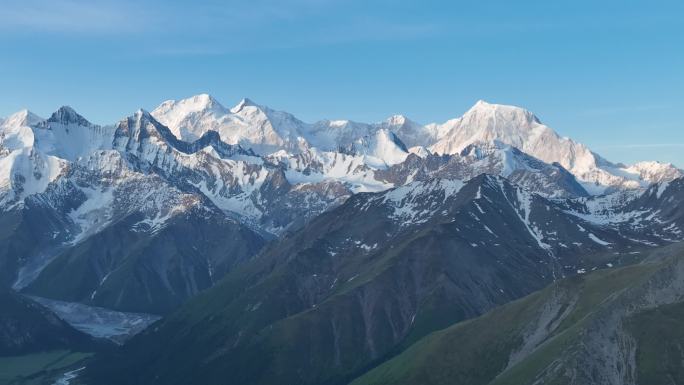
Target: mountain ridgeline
[[280, 251], [329, 301]]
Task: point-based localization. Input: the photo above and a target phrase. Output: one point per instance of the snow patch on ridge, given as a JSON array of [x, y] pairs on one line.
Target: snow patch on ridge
[[416, 203], [598, 240], [523, 210]]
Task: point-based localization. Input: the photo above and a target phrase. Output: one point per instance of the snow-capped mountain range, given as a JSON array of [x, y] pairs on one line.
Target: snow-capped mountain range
[[267, 131], [70, 186], [35, 151]]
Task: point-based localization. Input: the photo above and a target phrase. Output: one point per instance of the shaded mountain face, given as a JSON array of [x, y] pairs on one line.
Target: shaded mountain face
[[366, 280], [614, 326], [104, 219], [494, 158], [650, 217], [28, 327], [132, 266], [27, 237]]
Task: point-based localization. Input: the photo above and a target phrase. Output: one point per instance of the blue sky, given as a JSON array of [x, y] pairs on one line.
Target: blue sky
[[607, 73]]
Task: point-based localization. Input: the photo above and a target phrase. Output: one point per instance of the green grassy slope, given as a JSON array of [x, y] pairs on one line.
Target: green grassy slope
[[660, 339], [541, 335]]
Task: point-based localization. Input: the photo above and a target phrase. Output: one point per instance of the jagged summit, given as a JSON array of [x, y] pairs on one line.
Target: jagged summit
[[245, 102], [142, 121], [194, 103], [486, 122], [67, 115], [22, 117], [141, 116], [655, 171], [203, 102], [397, 120], [520, 128], [249, 124], [490, 110], [205, 99], [181, 116]]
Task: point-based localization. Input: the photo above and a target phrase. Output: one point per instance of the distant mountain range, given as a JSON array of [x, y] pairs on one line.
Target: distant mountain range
[[281, 251]]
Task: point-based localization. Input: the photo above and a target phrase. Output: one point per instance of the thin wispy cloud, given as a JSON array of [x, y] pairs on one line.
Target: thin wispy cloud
[[208, 28], [72, 16], [353, 32], [619, 110], [375, 29], [641, 145]]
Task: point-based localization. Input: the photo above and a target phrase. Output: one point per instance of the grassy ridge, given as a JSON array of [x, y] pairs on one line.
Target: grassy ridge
[[477, 352], [660, 340]]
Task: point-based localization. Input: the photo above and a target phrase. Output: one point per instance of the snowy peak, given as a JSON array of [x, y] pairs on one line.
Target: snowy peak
[[16, 131], [520, 128], [66, 115], [386, 137], [245, 102], [267, 131], [397, 121], [483, 110], [69, 136], [655, 172], [480, 150], [487, 122], [384, 146], [142, 125], [23, 170], [150, 140], [142, 117], [21, 118], [248, 124], [498, 158], [410, 132], [488, 138], [190, 118], [205, 101], [138, 127], [193, 104]]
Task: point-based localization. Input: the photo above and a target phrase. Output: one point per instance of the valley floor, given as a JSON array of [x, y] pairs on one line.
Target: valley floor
[[99, 322], [39, 368]]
